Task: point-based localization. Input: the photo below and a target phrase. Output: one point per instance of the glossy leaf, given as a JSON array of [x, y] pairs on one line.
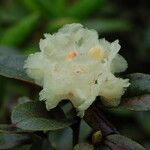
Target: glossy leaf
[[138, 103], [8, 50], [11, 65], [61, 138], [34, 116], [140, 84], [119, 142]]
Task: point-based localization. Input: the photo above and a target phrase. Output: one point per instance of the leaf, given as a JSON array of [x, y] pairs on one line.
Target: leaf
[[32, 5], [143, 120], [85, 131], [49, 7], [119, 142], [8, 50], [82, 8], [140, 84], [33, 116], [83, 146], [57, 23], [11, 65], [46, 7], [42, 144], [16, 35], [138, 103], [108, 25], [61, 138], [8, 141], [23, 99], [5, 128]]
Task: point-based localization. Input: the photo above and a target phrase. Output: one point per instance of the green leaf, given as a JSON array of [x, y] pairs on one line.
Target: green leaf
[[140, 84], [85, 131], [119, 142], [82, 8], [46, 7], [8, 50], [11, 65], [61, 138], [83, 146], [57, 23], [23, 99], [42, 144], [49, 7], [138, 103], [33, 116], [18, 33], [8, 141], [32, 5], [143, 119], [108, 25]]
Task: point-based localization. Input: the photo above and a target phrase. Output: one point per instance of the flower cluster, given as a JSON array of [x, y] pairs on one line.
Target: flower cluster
[[75, 64]]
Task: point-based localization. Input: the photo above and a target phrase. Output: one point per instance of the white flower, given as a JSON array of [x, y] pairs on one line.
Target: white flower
[[74, 64]]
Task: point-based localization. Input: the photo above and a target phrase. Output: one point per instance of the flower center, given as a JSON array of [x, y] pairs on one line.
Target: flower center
[[71, 55], [96, 53]]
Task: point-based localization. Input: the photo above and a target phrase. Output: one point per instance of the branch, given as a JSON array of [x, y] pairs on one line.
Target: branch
[[97, 121], [76, 130]]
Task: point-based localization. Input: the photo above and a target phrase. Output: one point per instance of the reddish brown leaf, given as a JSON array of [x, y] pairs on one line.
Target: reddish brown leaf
[[119, 142], [138, 103]]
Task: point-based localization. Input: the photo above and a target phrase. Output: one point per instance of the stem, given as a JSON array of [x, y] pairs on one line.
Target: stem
[[76, 130], [94, 117]]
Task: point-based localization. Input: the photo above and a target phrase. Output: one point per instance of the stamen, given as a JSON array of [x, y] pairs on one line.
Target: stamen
[[71, 55], [96, 53]]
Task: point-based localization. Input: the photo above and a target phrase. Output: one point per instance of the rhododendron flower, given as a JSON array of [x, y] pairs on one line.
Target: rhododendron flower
[[75, 64]]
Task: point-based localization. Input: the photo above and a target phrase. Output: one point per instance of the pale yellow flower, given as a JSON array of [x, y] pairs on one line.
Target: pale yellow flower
[[74, 64]]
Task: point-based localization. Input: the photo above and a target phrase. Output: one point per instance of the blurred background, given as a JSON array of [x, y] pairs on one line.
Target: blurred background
[[23, 22]]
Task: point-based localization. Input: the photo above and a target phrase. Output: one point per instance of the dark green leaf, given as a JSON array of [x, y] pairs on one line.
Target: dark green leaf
[[119, 111], [5, 128], [85, 131], [61, 138], [13, 140], [143, 119], [138, 103], [23, 147], [34, 116], [83, 146], [119, 142], [11, 66], [140, 84], [42, 144], [16, 35]]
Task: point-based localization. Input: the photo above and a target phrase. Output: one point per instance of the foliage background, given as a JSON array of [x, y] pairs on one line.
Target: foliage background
[[23, 22]]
